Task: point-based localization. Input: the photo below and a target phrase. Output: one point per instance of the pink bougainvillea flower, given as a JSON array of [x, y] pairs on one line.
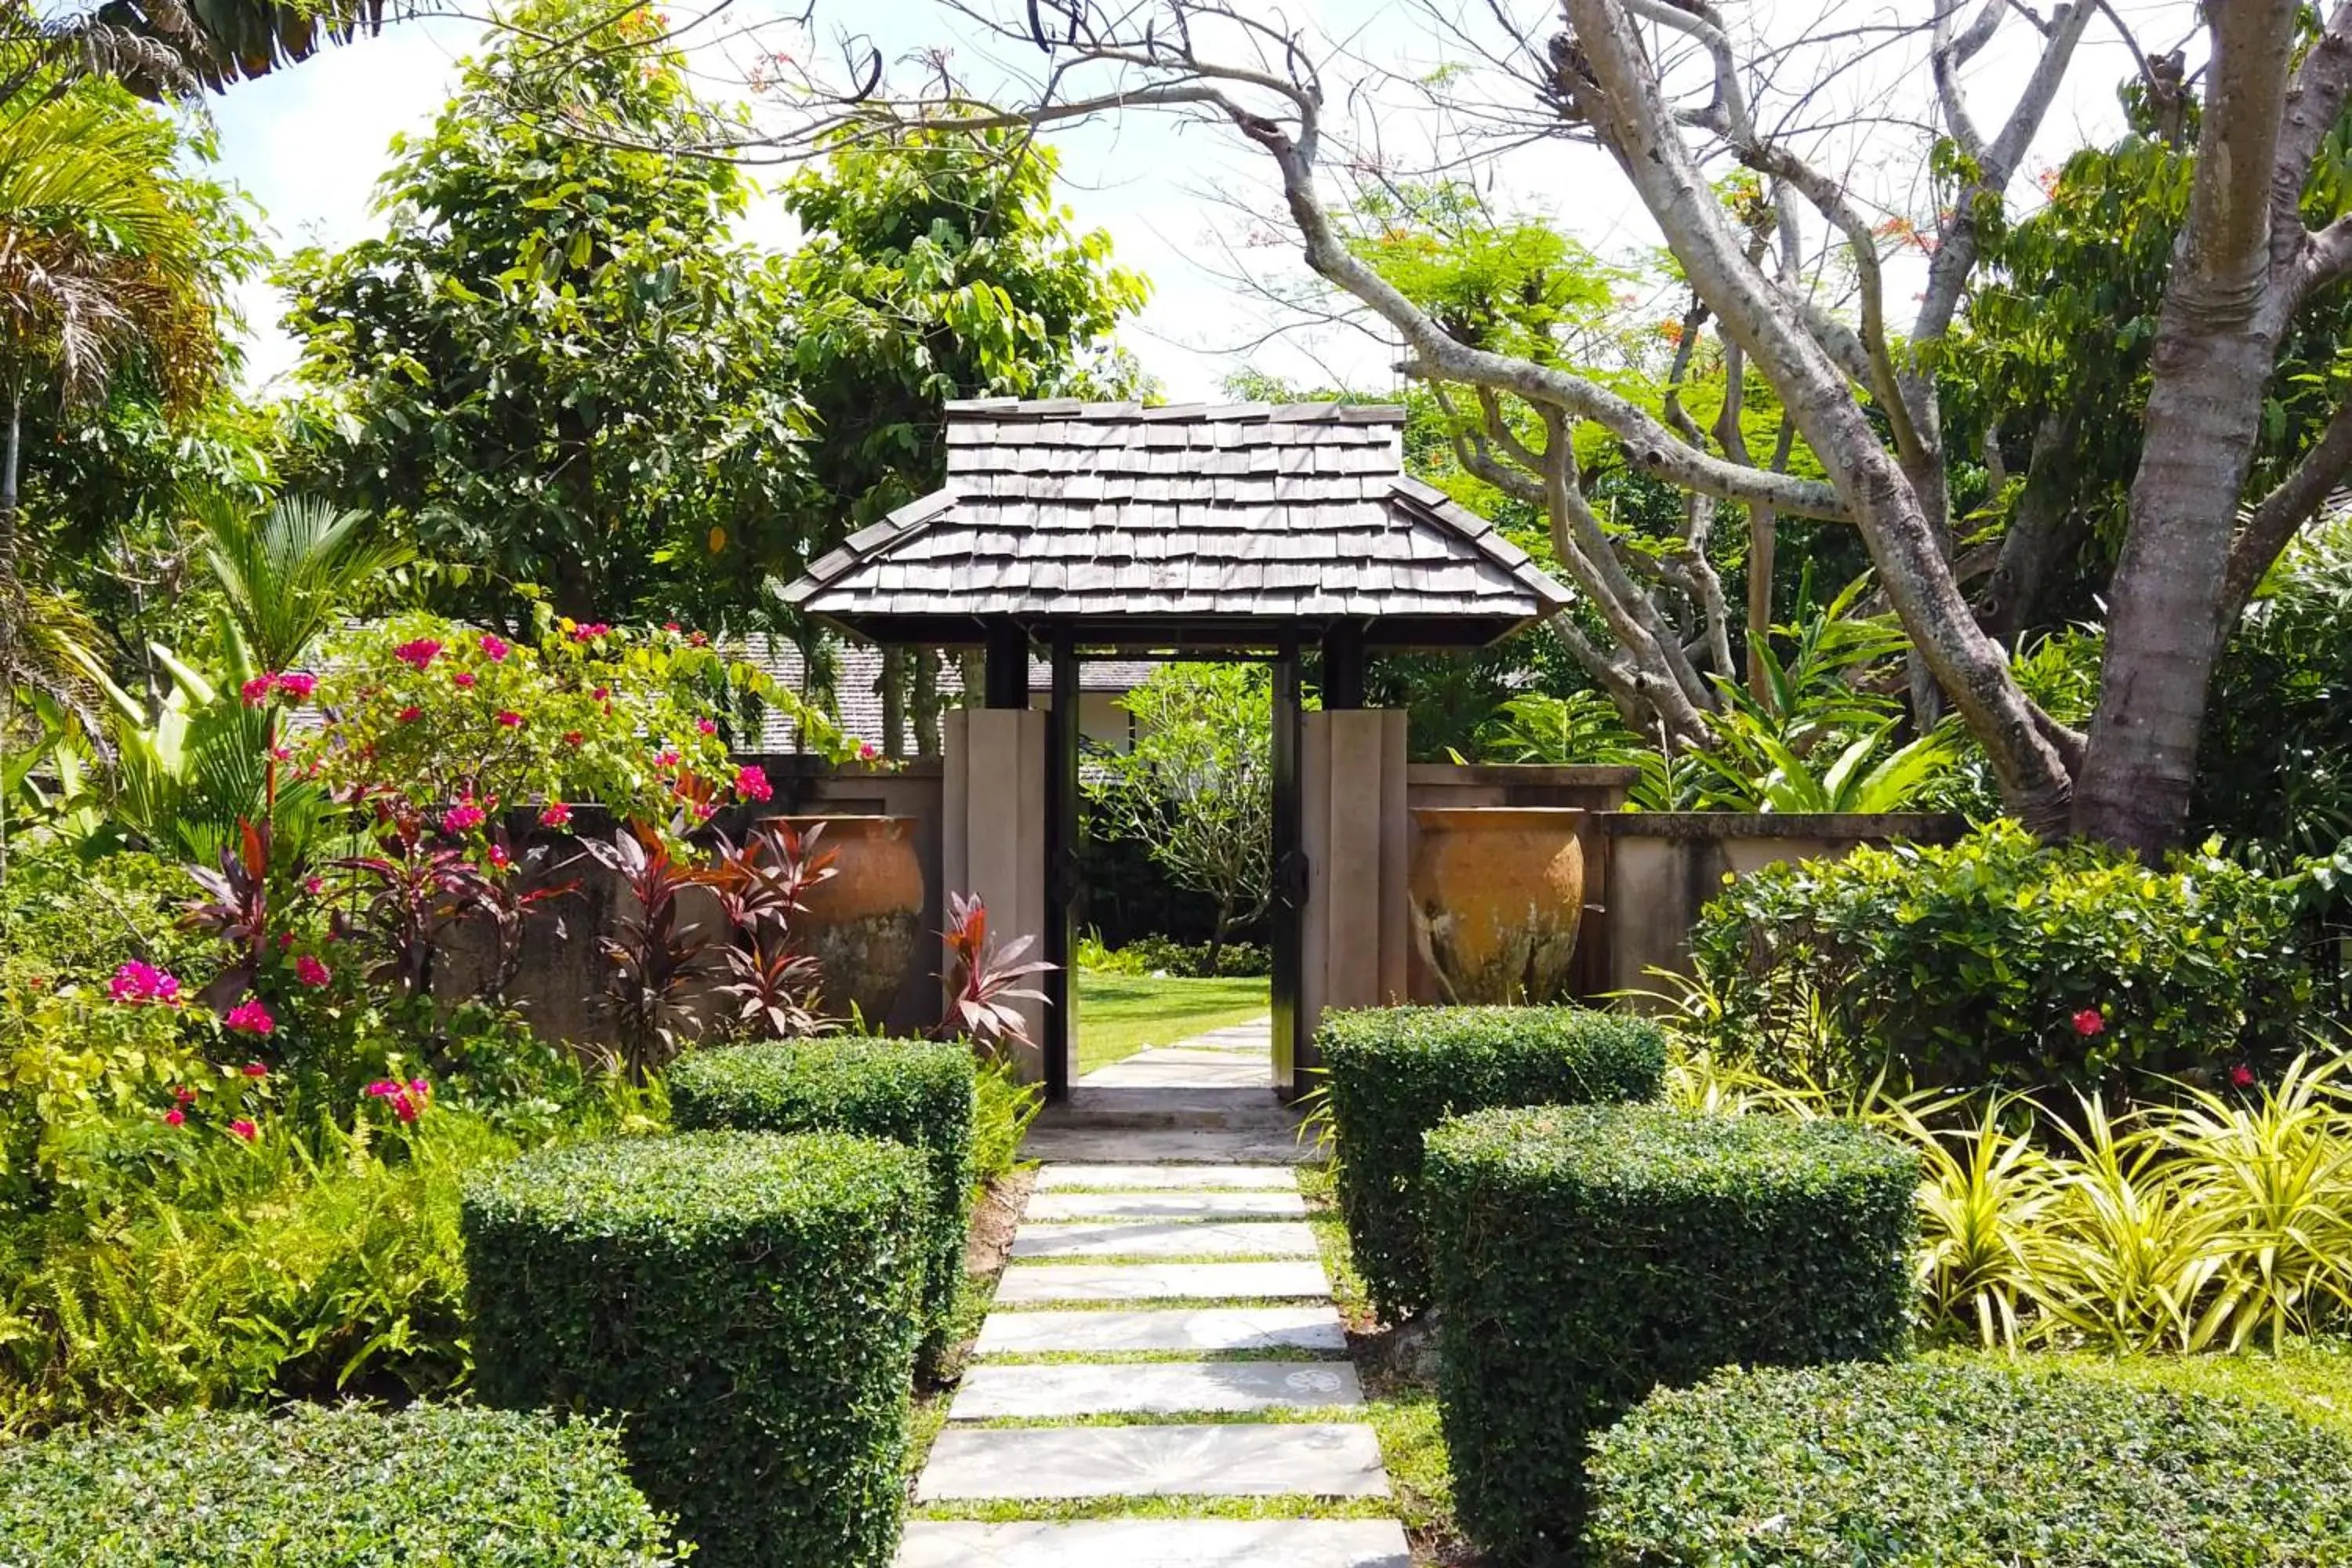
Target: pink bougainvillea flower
[[494, 647], [175, 1117], [751, 783], [704, 810], [510, 718], [575, 738], [314, 886], [867, 752], [699, 639], [183, 1095], [281, 754], [500, 857], [666, 757], [2242, 1076], [602, 694], [589, 631], [463, 679], [670, 625], [555, 814], [310, 972], [2090, 1021], [418, 654], [254, 693], [297, 684], [254, 1069], [411, 714], [462, 817], [250, 1017], [708, 726], [137, 985], [243, 1129], [285, 940]]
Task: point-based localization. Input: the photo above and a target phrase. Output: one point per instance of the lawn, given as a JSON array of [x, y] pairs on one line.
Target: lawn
[[1119, 1014]]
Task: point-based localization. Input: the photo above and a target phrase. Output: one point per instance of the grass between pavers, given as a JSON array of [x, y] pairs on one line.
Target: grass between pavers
[[1398, 1405], [1119, 1015]]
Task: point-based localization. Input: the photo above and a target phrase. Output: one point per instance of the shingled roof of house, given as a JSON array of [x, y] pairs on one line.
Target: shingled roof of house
[[1133, 525]]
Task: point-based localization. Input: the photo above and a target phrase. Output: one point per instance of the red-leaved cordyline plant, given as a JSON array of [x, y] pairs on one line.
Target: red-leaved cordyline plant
[[761, 887], [983, 982], [657, 961], [235, 909]]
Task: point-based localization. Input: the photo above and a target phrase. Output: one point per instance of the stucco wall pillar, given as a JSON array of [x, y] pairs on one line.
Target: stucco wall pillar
[[992, 832]]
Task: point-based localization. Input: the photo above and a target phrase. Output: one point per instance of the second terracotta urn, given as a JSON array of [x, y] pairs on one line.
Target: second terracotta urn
[[862, 922], [1497, 895]]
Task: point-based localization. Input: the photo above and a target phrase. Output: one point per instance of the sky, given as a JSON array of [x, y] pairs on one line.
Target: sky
[[1185, 203]]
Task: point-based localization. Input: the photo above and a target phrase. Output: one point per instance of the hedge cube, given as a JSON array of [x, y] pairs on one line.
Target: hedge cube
[[320, 1488], [1934, 1462], [746, 1304], [916, 1092], [1396, 1072], [1585, 1255]]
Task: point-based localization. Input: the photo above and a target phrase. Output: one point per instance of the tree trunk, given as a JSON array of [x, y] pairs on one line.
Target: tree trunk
[[925, 704], [2215, 344], [2043, 531], [1217, 933]]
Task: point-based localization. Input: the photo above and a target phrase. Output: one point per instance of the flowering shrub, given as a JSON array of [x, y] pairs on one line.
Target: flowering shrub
[[439, 713], [1999, 961]]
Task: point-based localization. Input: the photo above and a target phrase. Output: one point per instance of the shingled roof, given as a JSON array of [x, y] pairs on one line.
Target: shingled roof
[[1187, 524]]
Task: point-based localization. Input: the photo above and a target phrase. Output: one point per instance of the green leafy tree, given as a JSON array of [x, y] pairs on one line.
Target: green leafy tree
[[1198, 787], [557, 367]]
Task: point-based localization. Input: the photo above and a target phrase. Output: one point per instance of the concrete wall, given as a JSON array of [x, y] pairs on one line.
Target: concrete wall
[[1356, 936], [1662, 867]]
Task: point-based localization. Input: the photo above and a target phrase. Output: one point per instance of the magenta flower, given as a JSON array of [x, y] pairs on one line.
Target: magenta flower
[[407, 1100], [867, 752], [243, 1129], [2242, 1076], [410, 714], [183, 1095], [500, 857], [670, 625], [554, 814], [589, 631], [314, 886], [136, 984], [510, 718], [250, 1017], [462, 817], [2090, 1021], [575, 738], [463, 679], [310, 972], [254, 1069], [602, 694], [254, 693], [666, 757], [175, 1117], [708, 726], [751, 783], [418, 654], [494, 649], [297, 684]]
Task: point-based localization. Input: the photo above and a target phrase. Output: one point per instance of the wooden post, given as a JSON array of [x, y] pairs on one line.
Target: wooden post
[[1291, 873], [1061, 869]]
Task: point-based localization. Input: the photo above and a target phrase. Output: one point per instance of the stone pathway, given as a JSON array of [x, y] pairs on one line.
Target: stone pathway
[[1204, 1279]]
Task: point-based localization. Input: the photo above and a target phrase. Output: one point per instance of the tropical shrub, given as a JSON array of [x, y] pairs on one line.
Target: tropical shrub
[[1002, 1109], [749, 1302], [1997, 961], [1927, 1464], [349, 1486], [1393, 1073], [1165, 956], [912, 1093], [1584, 1254]]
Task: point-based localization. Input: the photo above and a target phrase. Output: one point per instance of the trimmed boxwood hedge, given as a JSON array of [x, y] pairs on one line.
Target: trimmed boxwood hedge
[[748, 1305], [1587, 1254], [916, 1092], [328, 1488], [1932, 1463], [1396, 1072]]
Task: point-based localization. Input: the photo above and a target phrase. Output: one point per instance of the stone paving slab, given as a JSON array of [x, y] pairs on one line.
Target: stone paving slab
[[1191, 1072], [1263, 1460], [1021, 1286], [1166, 1205], [1272, 1145], [1164, 1328], [1166, 1238], [1157, 1544], [1038, 1392], [1180, 1178]]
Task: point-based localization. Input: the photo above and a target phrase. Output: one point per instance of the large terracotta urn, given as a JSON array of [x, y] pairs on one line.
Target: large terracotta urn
[[1497, 894], [862, 922]]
